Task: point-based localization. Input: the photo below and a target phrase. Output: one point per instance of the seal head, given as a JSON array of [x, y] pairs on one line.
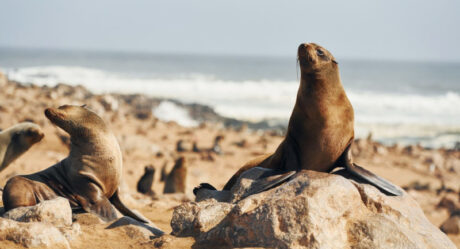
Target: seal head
[[16, 140]]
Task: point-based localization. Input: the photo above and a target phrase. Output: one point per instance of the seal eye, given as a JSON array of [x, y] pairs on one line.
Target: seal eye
[[319, 52]]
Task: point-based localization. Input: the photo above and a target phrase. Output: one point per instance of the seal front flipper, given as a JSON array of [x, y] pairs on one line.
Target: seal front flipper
[[257, 180], [101, 207], [364, 174], [115, 200], [268, 180]]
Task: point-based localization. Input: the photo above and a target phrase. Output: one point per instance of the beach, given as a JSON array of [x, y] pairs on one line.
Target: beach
[[148, 129]]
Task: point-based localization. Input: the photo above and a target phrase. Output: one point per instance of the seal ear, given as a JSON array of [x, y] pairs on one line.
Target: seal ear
[[335, 62]]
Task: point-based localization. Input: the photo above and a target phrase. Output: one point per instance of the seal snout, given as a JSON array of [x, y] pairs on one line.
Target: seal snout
[[302, 51], [34, 135], [53, 114]]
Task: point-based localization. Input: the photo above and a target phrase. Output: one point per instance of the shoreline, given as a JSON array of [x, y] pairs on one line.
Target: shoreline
[[430, 136]]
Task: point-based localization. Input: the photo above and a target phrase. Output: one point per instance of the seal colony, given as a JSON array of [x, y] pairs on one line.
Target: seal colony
[[89, 177], [321, 127]]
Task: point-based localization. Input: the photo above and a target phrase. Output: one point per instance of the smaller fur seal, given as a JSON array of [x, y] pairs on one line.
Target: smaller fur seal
[[144, 185], [89, 177], [176, 179], [16, 140]]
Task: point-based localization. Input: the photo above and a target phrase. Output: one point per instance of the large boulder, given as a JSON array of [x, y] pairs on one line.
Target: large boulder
[[56, 211], [313, 210], [32, 234]]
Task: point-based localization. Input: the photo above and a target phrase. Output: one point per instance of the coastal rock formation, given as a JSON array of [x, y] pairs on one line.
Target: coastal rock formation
[[313, 210]]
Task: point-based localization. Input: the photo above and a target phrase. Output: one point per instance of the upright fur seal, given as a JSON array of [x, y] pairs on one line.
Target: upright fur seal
[[321, 127], [144, 185], [176, 179], [88, 177], [16, 140]]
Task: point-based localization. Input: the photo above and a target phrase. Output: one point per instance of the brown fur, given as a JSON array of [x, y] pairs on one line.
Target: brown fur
[[16, 140], [88, 177], [176, 179], [321, 123]]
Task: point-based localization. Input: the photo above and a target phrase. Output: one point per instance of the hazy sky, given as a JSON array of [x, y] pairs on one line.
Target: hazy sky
[[403, 30]]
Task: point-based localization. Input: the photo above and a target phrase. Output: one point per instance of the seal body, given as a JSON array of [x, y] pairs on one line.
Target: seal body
[[176, 180], [16, 140], [321, 126], [144, 185], [89, 177]]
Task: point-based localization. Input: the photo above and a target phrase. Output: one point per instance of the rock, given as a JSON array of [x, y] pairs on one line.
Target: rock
[[109, 102], [32, 234], [451, 225], [136, 229], [70, 233], [56, 211], [191, 219], [313, 210]]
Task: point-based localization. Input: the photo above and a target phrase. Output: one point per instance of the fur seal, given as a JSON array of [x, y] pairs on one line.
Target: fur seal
[[144, 185], [16, 140], [89, 177], [176, 179], [180, 146], [216, 148], [321, 127]]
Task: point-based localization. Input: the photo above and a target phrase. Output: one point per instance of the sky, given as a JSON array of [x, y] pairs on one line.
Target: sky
[[417, 30]]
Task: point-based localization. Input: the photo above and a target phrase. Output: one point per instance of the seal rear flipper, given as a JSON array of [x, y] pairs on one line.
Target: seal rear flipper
[[383, 185], [375, 180], [115, 200]]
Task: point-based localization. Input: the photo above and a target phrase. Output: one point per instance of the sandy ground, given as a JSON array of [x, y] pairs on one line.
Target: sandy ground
[[145, 140]]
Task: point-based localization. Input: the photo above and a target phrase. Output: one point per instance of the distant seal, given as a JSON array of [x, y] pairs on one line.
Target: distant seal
[[180, 146], [16, 140], [89, 177], [321, 127], [176, 179], [144, 185], [216, 148]]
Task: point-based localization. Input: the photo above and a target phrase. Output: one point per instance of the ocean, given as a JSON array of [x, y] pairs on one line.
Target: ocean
[[398, 102]]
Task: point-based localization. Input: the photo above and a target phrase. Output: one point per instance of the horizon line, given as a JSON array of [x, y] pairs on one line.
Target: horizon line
[[218, 54]]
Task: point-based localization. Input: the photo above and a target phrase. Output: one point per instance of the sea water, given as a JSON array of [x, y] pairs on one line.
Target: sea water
[[398, 102]]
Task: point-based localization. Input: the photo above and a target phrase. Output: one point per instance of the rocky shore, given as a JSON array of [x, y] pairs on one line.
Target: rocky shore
[[355, 212]]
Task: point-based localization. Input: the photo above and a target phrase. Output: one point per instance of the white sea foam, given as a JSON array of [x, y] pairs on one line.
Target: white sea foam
[[390, 117], [168, 111]]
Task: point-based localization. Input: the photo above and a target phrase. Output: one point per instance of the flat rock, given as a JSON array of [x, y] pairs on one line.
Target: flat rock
[[56, 211], [313, 210], [33, 234]]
